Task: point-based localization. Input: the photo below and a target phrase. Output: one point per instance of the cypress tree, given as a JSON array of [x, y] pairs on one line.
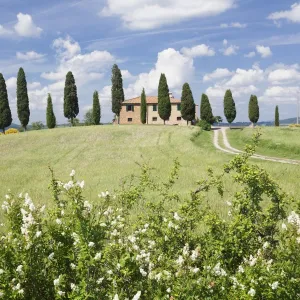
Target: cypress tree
[[164, 103], [5, 113], [96, 109], [143, 107], [22, 99], [71, 107], [50, 116], [229, 107], [117, 92], [253, 109], [205, 110], [187, 104], [276, 116]]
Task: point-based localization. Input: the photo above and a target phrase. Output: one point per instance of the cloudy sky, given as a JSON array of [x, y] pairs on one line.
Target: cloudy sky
[[242, 45]]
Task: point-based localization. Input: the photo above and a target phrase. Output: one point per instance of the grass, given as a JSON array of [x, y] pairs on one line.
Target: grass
[[278, 142], [104, 156]]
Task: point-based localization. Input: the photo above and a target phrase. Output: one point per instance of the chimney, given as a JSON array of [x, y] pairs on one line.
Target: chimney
[[171, 95]]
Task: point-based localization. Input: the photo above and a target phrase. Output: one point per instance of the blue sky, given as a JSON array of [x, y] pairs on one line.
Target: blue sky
[[245, 45]]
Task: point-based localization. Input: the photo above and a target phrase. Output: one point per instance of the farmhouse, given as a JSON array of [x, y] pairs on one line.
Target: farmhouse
[[131, 111]]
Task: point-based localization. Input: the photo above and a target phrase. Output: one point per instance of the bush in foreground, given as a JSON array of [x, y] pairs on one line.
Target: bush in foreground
[[82, 251], [204, 125]]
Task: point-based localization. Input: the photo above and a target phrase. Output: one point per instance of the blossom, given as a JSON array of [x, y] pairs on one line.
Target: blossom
[[251, 292], [180, 260], [266, 245], [73, 286], [218, 270], [275, 285], [241, 269], [195, 254], [228, 203], [73, 266], [137, 296], [283, 226], [195, 270], [1, 271], [72, 174], [38, 234], [56, 281], [99, 281], [91, 244], [21, 291], [176, 216], [87, 205], [61, 293], [80, 184], [58, 221], [19, 269], [69, 185], [116, 297], [98, 256], [143, 272], [51, 255], [169, 290]]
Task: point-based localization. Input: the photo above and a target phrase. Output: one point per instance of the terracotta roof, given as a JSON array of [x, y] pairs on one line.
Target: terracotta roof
[[149, 100]]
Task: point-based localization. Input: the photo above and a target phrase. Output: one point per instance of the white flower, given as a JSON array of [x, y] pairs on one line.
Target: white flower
[[17, 287], [21, 291], [87, 205], [116, 297], [176, 216], [266, 245], [137, 296], [218, 270], [98, 256], [195, 254], [73, 286], [19, 269], [229, 213], [180, 260], [102, 225], [228, 203], [73, 266], [7, 197], [275, 285], [166, 238], [38, 234], [109, 272], [32, 207], [72, 174], [252, 261], [51, 256], [283, 226], [1, 271], [143, 272], [251, 292], [61, 293], [169, 290], [69, 185], [241, 269], [42, 208], [58, 221], [298, 240], [56, 281], [91, 244], [99, 281], [80, 184], [196, 270]]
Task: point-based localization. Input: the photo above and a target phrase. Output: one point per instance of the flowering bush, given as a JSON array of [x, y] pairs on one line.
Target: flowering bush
[[11, 131], [79, 250]]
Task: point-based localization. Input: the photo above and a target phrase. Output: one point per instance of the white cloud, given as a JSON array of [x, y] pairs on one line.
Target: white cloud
[[177, 68], [31, 55], [292, 15], [25, 26], [11, 83], [149, 14], [284, 75], [66, 48], [281, 94], [4, 31], [34, 85], [217, 74], [264, 51], [231, 50], [218, 91], [200, 50], [233, 25], [126, 74], [250, 54], [225, 42]]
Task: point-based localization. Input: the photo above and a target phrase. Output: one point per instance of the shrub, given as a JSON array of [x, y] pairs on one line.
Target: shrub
[[82, 251], [11, 131], [204, 125], [37, 125]]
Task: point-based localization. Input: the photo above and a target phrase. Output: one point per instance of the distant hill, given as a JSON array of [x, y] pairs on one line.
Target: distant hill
[[13, 126], [263, 123]]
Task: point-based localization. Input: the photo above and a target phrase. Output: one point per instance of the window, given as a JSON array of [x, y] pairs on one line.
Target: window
[[129, 119], [154, 107], [178, 107], [129, 107], [154, 119], [178, 118]]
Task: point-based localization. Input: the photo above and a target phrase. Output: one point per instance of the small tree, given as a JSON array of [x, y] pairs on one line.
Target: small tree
[[205, 110], [277, 116], [117, 92], [96, 111], [89, 118], [71, 107], [22, 99], [253, 109], [50, 116], [229, 107], [37, 125], [187, 104], [143, 107], [218, 119], [5, 113], [164, 103]]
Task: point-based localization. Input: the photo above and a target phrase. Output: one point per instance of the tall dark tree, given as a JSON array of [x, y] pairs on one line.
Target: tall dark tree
[[96, 109], [50, 116], [164, 103], [277, 116], [117, 92], [229, 107], [22, 99], [5, 113], [205, 110], [143, 107], [71, 107], [253, 109], [187, 104]]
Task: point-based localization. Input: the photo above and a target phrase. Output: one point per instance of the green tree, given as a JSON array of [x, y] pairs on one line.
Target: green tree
[[164, 103], [5, 113], [71, 107], [89, 118], [218, 119], [37, 125], [143, 107], [205, 110], [253, 109], [229, 107], [117, 92], [187, 104], [277, 116], [22, 99], [96, 109], [50, 116]]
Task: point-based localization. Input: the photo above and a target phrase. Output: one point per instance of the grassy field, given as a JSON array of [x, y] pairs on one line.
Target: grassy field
[[104, 156], [278, 142]]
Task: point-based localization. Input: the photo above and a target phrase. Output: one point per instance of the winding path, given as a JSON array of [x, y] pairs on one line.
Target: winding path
[[229, 149]]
